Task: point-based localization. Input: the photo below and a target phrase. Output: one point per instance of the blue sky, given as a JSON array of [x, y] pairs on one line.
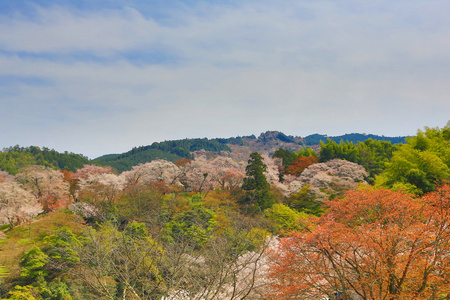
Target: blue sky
[[97, 77]]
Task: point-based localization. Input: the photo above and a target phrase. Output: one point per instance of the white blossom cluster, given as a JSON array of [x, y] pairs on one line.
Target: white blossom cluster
[[332, 177]]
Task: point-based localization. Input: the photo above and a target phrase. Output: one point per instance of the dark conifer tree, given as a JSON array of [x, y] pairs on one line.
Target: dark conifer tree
[[257, 188]]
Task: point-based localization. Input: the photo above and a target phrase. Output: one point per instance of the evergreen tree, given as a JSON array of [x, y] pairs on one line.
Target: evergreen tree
[[255, 184]]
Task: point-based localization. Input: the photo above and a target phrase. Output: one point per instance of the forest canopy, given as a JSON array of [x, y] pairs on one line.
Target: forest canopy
[[353, 221]]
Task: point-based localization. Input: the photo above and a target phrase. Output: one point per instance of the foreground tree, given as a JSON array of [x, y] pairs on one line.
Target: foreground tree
[[374, 244]]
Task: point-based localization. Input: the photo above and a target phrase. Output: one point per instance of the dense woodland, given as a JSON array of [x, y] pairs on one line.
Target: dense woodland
[[214, 219]]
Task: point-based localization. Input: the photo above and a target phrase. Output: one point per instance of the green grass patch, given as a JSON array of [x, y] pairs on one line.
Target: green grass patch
[[5, 226]]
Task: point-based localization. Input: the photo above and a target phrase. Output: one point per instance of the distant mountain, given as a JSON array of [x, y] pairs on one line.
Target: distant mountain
[[236, 147]]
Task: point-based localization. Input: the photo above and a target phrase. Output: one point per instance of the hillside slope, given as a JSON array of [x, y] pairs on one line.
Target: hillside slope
[[238, 148]]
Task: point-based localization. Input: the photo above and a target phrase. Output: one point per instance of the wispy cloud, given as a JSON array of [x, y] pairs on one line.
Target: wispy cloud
[[100, 80]]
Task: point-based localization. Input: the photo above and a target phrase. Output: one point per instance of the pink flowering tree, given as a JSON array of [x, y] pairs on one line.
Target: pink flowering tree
[[47, 185], [225, 173], [332, 178], [199, 175], [157, 170], [17, 204], [100, 187], [88, 170], [74, 178]]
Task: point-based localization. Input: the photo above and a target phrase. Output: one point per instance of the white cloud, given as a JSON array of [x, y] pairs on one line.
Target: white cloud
[[301, 67]]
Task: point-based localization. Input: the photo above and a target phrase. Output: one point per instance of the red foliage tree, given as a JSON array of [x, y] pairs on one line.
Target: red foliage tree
[[373, 244], [300, 164]]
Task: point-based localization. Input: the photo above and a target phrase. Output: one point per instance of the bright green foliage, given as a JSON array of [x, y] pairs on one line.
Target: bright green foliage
[[257, 196], [137, 230], [11, 162], [194, 226], [332, 150], [307, 152], [405, 187], [33, 263], [418, 165], [23, 293], [3, 272], [246, 240], [283, 217], [371, 154], [60, 246], [56, 291]]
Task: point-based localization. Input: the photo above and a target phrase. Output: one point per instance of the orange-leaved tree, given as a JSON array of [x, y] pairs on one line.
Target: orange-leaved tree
[[300, 164], [373, 244]]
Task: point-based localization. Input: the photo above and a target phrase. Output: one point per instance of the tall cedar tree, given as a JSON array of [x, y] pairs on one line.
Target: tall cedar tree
[[256, 185]]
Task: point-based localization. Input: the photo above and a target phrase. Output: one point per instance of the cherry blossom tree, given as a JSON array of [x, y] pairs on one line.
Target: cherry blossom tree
[[47, 185], [332, 178], [88, 170], [156, 170], [273, 165], [232, 179], [226, 173], [200, 175], [17, 204], [100, 187], [82, 174], [5, 176]]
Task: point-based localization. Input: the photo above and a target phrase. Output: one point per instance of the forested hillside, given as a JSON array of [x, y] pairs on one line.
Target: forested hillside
[[169, 150], [213, 227], [240, 147], [16, 157]]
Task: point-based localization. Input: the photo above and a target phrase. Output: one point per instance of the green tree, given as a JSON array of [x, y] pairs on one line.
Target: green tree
[[257, 188], [287, 156], [33, 263], [419, 164], [194, 227], [23, 293], [283, 217], [371, 154], [305, 201]]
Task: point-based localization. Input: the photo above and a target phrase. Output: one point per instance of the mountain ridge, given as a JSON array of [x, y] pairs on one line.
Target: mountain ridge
[[236, 147]]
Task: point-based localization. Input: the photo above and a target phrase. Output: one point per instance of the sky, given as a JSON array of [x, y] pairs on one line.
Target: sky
[[102, 76]]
